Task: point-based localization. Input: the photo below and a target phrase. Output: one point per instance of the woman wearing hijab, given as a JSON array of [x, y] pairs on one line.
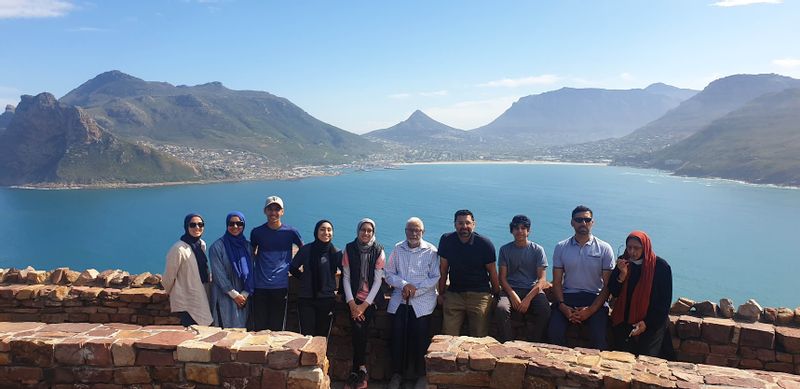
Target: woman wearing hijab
[[642, 284], [315, 266], [233, 283], [186, 277], [362, 274]]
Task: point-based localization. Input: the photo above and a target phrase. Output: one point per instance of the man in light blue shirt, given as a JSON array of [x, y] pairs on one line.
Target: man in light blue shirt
[[582, 265]]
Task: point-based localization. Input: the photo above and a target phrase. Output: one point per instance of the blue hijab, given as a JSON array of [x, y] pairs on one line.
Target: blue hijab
[[197, 248], [238, 250]]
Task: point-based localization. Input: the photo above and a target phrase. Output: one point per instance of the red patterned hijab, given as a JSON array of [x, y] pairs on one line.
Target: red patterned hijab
[[640, 300]]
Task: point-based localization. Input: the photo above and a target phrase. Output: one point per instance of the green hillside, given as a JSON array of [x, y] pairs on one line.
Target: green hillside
[[214, 117], [758, 143]]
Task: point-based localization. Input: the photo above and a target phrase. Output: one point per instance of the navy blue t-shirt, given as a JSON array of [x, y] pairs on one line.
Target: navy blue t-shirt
[[274, 254], [467, 262]]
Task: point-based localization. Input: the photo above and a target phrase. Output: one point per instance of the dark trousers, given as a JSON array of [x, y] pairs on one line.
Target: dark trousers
[[535, 318], [410, 338], [557, 330], [186, 319], [648, 343], [269, 309], [360, 335], [316, 315]]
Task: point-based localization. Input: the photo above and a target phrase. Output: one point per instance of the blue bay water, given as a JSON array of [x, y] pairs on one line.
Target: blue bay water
[[723, 239]]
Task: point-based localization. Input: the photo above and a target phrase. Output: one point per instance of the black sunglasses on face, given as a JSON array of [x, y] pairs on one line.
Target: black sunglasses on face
[[579, 220], [235, 224], [197, 225]]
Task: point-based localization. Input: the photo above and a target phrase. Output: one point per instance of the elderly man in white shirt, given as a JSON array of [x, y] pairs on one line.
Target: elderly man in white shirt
[[413, 272]]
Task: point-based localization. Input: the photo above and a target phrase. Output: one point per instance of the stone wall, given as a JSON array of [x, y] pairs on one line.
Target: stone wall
[[462, 362], [123, 355], [749, 337]]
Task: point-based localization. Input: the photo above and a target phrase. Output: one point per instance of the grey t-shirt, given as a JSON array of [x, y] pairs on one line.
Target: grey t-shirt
[[522, 263]]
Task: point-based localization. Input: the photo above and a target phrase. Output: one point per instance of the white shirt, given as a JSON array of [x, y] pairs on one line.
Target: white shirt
[[418, 266], [181, 281]]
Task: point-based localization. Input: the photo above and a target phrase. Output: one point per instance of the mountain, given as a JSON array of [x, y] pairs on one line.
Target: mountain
[[6, 117], [716, 100], [419, 129], [681, 94], [212, 116], [758, 143], [50, 142], [571, 115]]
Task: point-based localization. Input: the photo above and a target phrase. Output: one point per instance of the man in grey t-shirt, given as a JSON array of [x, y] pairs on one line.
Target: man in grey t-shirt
[[522, 277]]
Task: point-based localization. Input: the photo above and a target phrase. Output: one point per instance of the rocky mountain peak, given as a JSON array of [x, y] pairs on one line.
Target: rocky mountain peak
[[10, 108]]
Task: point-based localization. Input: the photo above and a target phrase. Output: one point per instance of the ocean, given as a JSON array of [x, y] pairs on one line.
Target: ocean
[[722, 238]]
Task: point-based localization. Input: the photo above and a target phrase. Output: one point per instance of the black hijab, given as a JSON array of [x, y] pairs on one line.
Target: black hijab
[[197, 248], [318, 250]]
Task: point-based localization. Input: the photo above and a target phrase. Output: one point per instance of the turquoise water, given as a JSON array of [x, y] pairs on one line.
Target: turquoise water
[[723, 239]]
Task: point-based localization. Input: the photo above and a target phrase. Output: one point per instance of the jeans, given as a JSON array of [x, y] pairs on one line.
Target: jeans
[[360, 335], [557, 330], [535, 318], [316, 315]]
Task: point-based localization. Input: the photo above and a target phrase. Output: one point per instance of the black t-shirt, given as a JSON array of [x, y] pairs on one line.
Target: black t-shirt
[[467, 262]]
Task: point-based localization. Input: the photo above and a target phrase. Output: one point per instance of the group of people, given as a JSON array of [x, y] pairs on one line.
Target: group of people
[[244, 284]]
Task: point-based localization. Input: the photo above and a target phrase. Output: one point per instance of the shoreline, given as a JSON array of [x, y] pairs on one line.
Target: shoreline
[[340, 169]]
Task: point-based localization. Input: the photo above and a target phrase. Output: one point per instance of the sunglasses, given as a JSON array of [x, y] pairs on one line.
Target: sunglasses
[[579, 220], [235, 224], [197, 225]]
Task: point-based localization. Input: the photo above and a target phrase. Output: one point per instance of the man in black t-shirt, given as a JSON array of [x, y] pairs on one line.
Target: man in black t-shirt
[[469, 260]]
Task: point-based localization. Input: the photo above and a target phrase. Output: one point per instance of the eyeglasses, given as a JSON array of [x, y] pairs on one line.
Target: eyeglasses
[[580, 220], [235, 224], [414, 230], [197, 225]]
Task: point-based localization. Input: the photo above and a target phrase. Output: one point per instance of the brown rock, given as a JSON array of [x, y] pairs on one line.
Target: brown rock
[[508, 373], [90, 375], [87, 277], [131, 375], [32, 352], [252, 353], [136, 295], [681, 307], [313, 353], [694, 346], [153, 279], [719, 331], [465, 378], [167, 340], [441, 361], [307, 378], [59, 293], [757, 335], [274, 378], [138, 281], [283, 358], [234, 369], [784, 316], [726, 309], [481, 360], [154, 358], [749, 311], [706, 309], [166, 373], [123, 352], [24, 374], [68, 351], [788, 338], [97, 351], [202, 373], [36, 277], [769, 315], [779, 366]]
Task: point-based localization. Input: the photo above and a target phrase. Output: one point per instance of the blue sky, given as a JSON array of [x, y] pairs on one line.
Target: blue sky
[[365, 65]]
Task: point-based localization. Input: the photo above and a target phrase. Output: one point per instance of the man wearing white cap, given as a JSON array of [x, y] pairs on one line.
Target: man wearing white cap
[[272, 252]]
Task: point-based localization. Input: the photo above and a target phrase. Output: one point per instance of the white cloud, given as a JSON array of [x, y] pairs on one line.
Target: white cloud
[[434, 93], [524, 81], [787, 62], [627, 77], [399, 96], [13, 9], [471, 114], [86, 29], [738, 3]]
